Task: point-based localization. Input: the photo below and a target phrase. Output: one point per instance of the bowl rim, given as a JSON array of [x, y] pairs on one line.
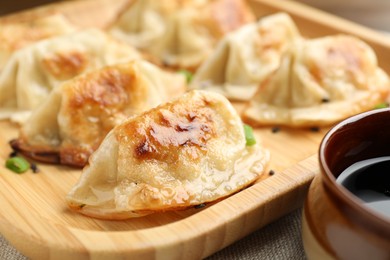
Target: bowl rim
[[377, 220]]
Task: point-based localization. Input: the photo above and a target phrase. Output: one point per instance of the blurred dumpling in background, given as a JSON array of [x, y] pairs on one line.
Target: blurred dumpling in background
[[245, 57], [178, 155], [76, 116], [177, 33], [32, 72], [16, 35], [320, 82]]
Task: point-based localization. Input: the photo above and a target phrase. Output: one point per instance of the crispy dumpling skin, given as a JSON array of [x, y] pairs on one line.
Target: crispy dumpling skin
[[32, 72], [177, 33], [181, 154], [16, 35], [77, 115], [320, 82], [245, 57]]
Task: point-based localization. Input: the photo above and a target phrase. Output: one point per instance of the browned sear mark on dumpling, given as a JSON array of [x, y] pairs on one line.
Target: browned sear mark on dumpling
[[345, 56], [173, 132], [143, 148], [180, 131], [65, 65], [235, 13], [109, 88]]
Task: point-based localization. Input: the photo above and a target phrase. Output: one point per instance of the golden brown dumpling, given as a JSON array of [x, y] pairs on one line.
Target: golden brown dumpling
[[15, 35], [178, 33], [183, 153], [77, 115], [245, 57], [320, 81], [32, 72]]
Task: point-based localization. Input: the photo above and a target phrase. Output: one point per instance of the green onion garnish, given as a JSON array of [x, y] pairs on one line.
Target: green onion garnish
[[381, 105], [249, 136], [17, 164], [187, 74]]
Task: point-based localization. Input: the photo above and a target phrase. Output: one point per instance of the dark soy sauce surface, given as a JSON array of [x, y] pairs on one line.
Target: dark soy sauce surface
[[369, 180]]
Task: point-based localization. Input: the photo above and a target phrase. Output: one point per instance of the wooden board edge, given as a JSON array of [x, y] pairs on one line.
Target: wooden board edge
[[321, 23], [218, 226], [68, 8]]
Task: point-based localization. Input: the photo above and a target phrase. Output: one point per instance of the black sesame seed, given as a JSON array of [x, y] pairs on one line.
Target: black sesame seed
[[34, 168], [202, 205], [13, 154], [275, 129], [325, 100], [315, 129], [271, 172]]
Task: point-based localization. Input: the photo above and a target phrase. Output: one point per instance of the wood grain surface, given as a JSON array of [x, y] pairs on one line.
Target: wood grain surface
[[35, 219], [372, 13]]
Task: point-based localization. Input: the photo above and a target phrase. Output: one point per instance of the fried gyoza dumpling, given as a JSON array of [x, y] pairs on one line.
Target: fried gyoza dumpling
[[320, 82], [32, 72], [15, 35], [245, 57], [183, 153], [77, 115], [178, 33]]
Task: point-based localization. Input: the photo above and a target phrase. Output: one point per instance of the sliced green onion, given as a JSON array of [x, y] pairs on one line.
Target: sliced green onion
[[17, 164], [187, 74], [381, 105], [249, 136]]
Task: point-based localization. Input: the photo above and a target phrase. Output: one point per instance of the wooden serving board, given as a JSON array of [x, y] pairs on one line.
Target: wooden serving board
[[34, 216]]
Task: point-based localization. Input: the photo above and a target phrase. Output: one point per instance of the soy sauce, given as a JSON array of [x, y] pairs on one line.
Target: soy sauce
[[369, 180]]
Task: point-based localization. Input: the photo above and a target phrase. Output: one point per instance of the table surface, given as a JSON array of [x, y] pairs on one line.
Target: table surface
[[282, 238]]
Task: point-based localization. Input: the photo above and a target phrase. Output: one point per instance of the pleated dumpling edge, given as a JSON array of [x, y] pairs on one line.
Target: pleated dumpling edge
[[181, 154], [246, 57], [320, 82], [34, 71], [180, 34], [71, 123]]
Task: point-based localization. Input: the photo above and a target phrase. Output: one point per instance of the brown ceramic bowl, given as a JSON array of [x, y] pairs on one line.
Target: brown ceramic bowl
[[336, 224]]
